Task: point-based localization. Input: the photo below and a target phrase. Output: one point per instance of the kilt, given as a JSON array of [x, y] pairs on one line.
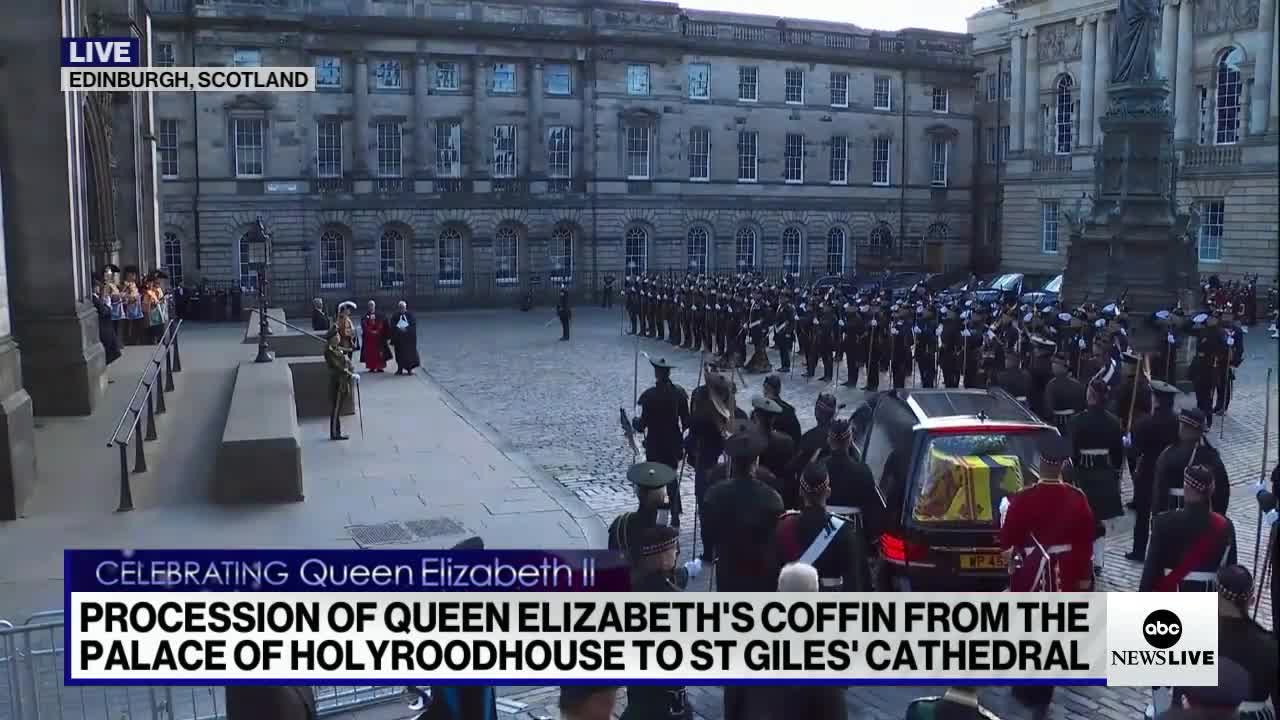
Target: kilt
[[1101, 485]]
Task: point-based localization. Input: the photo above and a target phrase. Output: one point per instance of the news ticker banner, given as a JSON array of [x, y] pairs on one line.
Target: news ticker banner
[[248, 617]]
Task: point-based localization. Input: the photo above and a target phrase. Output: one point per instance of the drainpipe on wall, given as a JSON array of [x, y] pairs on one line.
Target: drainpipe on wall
[[195, 136], [906, 174], [595, 171]]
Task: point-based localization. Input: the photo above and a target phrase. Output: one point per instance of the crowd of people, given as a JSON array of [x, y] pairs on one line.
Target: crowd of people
[[133, 309]]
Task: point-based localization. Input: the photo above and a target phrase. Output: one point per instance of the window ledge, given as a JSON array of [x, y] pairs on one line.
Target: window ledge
[[745, 181], [843, 107], [880, 184], [699, 180], [793, 182], [838, 182], [747, 100]]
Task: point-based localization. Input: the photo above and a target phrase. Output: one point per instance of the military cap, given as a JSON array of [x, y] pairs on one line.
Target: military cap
[[815, 478], [839, 431], [745, 442], [1198, 478], [661, 363], [825, 402], [658, 539], [1065, 317], [1129, 357], [471, 543], [1232, 688], [650, 475], [1160, 387], [1235, 583], [346, 304], [1193, 417], [1161, 316], [1054, 449], [764, 404]]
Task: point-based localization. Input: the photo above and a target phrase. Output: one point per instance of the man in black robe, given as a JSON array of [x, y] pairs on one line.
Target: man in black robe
[[564, 313], [404, 339], [320, 321]]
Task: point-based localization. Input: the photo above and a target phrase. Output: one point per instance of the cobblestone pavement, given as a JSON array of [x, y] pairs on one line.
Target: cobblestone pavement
[[557, 403]]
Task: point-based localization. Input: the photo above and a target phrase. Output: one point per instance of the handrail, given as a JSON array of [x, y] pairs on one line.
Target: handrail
[[155, 381]]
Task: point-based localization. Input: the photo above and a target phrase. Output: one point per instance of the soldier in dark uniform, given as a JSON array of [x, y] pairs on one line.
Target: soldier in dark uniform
[[1132, 400], [786, 422], [927, 333], [1189, 545], [564, 312], [877, 341], [972, 341], [784, 331], [631, 293], [781, 448], [957, 703], [606, 296], [832, 544], [854, 492], [655, 572], [1014, 380], [1098, 453], [1151, 436], [739, 515], [758, 330], [1191, 449], [1231, 355], [1064, 396], [663, 418], [341, 375], [949, 347], [901, 340], [813, 445], [650, 480], [1243, 640], [1204, 370], [853, 343], [1164, 362]]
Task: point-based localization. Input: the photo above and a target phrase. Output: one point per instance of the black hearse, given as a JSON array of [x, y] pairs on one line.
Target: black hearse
[[943, 460]]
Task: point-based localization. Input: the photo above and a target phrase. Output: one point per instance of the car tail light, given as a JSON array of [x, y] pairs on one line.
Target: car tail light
[[900, 550]]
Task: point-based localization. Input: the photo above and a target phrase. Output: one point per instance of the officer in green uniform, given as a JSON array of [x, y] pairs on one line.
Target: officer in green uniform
[[654, 571], [958, 703], [340, 376], [650, 480]]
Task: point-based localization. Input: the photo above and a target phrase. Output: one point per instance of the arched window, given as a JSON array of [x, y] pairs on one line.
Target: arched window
[[745, 249], [248, 273], [391, 259], [173, 258], [696, 249], [637, 250], [881, 238], [449, 257], [333, 259], [1062, 116], [506, 243], [1228, 85], [562, 254], [791, 250], [835, 251]]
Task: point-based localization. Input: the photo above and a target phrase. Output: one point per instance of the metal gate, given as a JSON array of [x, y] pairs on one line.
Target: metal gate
[[31, 687]]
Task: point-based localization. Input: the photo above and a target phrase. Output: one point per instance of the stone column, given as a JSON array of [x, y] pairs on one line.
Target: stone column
[[1017, 77], [1087, 60], [537, 165], [360, 99], [422, 116], [476, 139], [1101, 75], [1275, 73], [1184, 105], [17, 424], [1031, 95], [1168, 47], [1259, 111]]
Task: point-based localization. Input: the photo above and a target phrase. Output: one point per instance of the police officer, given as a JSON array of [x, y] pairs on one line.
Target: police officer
[[655, 572], [1192, 448], [341, 376], [1243, 640], [564, 312], [1151, 436], [739, 516], [663, 418], [1189, 545], [650, 480], [814, 536]]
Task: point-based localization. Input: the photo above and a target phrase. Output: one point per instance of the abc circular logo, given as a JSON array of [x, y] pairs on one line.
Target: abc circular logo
[[1162, 629]]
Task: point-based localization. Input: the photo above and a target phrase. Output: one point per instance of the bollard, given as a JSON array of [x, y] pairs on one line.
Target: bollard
[[168, 372], [139, 457], [151, 416], [126, 493], [159, 385], [177, 356]]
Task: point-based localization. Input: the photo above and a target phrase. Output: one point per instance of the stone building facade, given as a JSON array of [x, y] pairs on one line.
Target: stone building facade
[[1045, 68], [459, 147]]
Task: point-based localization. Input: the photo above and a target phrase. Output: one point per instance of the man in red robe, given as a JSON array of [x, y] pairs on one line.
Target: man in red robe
[[374, 336], [1048, 531]]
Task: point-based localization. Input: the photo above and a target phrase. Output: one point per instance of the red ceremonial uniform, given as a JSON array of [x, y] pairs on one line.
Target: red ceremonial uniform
[[1057, 516], [373, 341]]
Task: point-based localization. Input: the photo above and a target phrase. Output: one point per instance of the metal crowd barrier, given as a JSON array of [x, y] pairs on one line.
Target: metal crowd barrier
[[138, 420], [31, 686]]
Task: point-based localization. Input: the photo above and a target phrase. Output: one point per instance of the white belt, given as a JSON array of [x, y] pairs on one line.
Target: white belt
[[1200, 576], [844, 510], [1052, 549], [1064, 413], [1095, 452], [830, 582], [1176, 492], [1252, 706], [1020, 398]]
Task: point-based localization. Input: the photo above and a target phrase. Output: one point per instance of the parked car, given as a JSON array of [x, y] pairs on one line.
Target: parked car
[[1045, 296], [961, 290], [1005, 289], [943, 460], [840, 282]]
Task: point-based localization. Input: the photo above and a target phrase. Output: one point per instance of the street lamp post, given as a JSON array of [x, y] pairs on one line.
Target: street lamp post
[[260, 257]]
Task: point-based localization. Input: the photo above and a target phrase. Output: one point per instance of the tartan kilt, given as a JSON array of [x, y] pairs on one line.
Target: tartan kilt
[[1101, 485]]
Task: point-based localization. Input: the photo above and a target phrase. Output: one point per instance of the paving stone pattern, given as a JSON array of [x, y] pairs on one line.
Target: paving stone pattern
[[557, 403]]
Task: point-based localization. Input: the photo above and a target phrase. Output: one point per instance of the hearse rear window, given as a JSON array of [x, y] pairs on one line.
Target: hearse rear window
[[962, 478]]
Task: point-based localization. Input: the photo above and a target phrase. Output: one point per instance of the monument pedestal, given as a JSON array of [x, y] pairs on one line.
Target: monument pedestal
[[1132, 243]]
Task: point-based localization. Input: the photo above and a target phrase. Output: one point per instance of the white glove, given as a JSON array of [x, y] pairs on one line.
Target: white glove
[[693, 567], [1004, 508], [1172, 340], [966, 332], [893, 331], [841, 323], [938, 331], [1231, 341], [1128, 440], [1271, 517], [875, 323], [991, 335], [915, 329], [1259, 487], [1080, 343]]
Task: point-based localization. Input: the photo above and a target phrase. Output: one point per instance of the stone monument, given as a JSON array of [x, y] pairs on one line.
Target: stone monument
[[1131, 240]]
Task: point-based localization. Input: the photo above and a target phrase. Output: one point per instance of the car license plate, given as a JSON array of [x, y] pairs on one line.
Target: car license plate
[[984, 561]]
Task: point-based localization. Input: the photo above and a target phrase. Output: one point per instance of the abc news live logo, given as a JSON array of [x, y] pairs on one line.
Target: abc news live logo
[[1162, 630]]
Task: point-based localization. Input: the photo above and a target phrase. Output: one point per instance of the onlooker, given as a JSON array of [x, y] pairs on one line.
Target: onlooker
[[798, 577]]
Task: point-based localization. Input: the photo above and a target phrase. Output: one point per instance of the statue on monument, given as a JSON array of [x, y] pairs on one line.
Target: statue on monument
[[1133, 42]]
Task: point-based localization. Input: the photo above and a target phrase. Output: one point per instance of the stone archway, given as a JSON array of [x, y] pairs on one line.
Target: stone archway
[[104, 243]]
